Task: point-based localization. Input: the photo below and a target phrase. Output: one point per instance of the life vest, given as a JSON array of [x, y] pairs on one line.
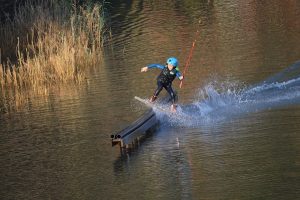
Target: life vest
[[167, 76]]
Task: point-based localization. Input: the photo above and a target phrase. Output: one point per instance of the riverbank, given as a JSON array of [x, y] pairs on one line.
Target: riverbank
[[50, 42]]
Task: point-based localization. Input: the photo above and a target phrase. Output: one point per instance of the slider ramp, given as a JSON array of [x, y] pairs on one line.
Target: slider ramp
[[145, 124], [135, 131]]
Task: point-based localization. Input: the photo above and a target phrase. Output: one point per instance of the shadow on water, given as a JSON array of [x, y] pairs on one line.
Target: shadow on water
[[128, 156], [171, 152]]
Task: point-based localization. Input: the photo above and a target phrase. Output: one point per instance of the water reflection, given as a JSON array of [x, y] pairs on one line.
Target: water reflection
[[59, 147], [168, 162]]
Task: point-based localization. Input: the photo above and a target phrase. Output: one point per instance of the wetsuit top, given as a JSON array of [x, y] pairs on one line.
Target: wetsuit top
[[166, 76]]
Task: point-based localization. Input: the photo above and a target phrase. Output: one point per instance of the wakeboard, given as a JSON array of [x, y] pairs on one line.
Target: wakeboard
[[153, 105], [165, 110]]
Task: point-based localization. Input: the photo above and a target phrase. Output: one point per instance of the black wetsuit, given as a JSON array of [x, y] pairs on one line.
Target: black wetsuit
[[165, 79]]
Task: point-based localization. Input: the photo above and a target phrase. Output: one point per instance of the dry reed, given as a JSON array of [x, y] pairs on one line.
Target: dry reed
[[50, 41]]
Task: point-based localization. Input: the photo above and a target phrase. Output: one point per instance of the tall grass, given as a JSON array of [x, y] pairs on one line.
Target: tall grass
[[50, 41]]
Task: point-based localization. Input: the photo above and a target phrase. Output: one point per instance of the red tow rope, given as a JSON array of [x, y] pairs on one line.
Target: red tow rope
[[188, 61]]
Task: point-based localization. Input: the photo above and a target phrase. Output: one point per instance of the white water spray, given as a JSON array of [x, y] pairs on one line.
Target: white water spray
[[219, 102]]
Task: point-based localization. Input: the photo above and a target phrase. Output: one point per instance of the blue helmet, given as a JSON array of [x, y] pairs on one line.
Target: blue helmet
[[173, 61]]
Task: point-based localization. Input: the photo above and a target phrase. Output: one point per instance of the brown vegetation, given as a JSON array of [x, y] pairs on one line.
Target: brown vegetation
[[49, 42]]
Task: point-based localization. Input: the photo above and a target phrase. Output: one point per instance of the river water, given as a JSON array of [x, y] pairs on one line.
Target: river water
[[242, 91]]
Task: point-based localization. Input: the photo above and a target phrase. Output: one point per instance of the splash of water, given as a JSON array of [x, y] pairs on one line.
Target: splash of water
[[219, 102]]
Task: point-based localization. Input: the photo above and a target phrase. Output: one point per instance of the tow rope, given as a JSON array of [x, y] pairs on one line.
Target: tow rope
[[188, 61]]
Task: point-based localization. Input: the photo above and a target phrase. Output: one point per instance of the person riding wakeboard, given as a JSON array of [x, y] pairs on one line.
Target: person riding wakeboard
[[164, 80]]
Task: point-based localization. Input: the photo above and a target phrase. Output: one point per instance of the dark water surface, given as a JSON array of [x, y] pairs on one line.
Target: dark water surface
[[242, 89]]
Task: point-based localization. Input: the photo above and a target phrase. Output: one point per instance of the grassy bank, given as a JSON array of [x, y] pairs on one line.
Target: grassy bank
[[49, 42]]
